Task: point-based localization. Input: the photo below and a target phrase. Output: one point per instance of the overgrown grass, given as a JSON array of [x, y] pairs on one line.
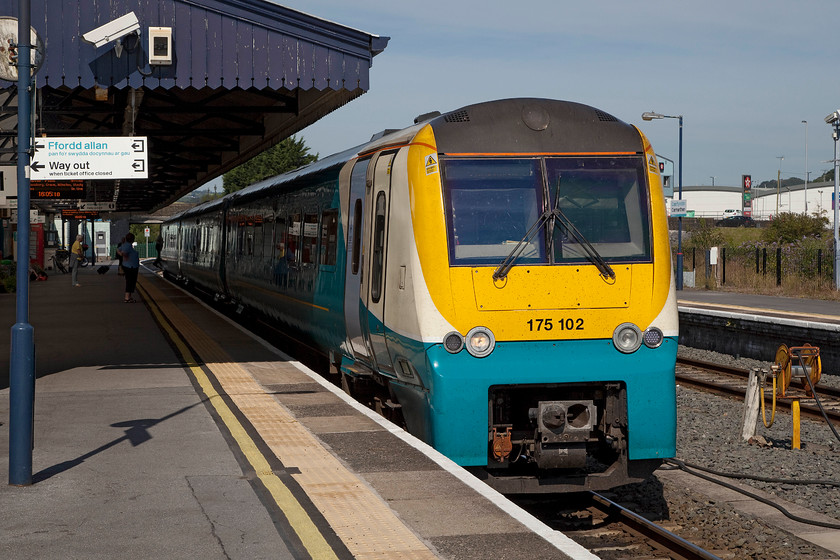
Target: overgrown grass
[[806, 264]]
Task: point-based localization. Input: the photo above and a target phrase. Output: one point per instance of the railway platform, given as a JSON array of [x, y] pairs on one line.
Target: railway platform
[[823, 310], [754, 326], [162, 430]]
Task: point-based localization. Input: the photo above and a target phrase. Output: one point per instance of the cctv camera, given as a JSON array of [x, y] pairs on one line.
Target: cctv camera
[[113, 31], [833, 117]]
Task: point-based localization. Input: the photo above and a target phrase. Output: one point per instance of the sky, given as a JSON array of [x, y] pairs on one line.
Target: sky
[[744, 74]]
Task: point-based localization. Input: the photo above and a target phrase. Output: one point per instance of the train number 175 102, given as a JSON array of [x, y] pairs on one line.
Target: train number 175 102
[[550, 324]]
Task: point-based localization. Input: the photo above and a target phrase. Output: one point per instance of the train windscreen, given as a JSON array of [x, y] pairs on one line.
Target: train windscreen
[[492, 204]]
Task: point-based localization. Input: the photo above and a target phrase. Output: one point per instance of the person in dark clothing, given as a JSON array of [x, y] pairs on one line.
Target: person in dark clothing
[[131, 266]]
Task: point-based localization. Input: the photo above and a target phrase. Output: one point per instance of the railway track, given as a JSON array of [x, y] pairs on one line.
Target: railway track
[[612, 531], [731, 381]]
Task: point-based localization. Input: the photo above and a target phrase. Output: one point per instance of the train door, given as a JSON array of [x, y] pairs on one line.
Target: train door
[[353, 301], [373, 281]]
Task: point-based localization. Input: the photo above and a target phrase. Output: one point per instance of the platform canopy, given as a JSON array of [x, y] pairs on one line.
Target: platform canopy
[[245, 74]]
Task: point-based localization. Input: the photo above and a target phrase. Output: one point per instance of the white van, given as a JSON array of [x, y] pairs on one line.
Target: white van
[[731, 212]]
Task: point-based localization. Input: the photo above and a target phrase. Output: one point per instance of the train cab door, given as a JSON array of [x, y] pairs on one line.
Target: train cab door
[[373, 286], [353, 298]]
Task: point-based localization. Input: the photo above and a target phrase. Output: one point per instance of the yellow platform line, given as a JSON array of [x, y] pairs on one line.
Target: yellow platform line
[[753, 310], [298, 519], [360, 518]]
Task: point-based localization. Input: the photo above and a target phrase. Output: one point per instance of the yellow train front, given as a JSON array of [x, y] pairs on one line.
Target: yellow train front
[[520, 292]]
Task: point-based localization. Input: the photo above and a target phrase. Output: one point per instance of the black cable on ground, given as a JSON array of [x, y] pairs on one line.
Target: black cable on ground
[[817, 399], [685, 467], [758, 478]]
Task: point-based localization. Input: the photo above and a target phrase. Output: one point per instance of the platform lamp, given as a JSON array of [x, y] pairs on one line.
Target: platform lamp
[[834, 120], [649, 116]]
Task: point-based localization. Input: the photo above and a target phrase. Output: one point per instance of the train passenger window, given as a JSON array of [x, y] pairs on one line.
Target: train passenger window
[[357, 235], [310, 238], [249, 240], [329, 236], [283, 256], [268, 239], [258, 235], [378, 248], [605, 198], [293, 238], [490, 206]]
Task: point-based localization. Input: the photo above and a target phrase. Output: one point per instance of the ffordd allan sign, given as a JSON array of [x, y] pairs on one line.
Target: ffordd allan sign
[[114, 157]]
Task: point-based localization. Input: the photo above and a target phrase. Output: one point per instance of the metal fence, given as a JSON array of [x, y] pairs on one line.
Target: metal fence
[[796, 269]]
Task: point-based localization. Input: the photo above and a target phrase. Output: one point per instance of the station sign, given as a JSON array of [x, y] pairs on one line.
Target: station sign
[[56, 189], [679, 208], [97, 206], [91, 158]]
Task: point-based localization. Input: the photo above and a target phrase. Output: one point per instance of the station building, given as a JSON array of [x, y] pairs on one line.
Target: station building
[[208, 84]]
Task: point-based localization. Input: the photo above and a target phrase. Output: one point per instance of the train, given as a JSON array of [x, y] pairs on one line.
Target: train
[[497, 277]]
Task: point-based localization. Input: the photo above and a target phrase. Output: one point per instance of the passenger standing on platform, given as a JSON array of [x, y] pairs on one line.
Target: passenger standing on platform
[[76, 254], [131, 266], [158, 248], [120, 270]]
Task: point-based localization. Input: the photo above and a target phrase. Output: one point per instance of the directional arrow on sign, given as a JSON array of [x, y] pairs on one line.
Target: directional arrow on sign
[[38, 146], [36, 166]]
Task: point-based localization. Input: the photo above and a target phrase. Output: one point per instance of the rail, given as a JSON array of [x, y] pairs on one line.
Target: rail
[[676, 547]]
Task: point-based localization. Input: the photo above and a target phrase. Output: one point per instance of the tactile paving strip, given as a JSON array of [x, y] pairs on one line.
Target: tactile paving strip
[[360, 518]]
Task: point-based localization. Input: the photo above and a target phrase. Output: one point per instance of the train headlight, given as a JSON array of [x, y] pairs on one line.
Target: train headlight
[[480, 342], [453, 342], [653, 337], [627, 338]]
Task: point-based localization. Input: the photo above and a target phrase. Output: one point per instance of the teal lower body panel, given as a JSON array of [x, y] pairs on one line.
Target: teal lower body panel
[[457, 388]]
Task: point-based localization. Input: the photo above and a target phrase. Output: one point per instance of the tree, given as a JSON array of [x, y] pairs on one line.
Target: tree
[[828, 176], [788, 227], [774, 184], [289, 154], [139, 231]]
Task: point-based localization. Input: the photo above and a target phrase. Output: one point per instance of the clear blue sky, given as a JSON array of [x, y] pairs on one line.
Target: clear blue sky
[[744, 74]]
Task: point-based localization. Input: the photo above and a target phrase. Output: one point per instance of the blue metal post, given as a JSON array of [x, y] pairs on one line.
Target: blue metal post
[[679, 220], [836, 206], [22, 371]]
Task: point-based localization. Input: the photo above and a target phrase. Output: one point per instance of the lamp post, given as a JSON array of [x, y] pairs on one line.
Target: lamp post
[[649, 116], [834, 120], [806, 166], [713, 179], [779, 184]]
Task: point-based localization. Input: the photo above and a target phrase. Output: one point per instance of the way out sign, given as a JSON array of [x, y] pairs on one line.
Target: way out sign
[[107, 157]]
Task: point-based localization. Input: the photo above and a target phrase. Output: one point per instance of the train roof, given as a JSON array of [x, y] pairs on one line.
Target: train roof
[[532, 125]]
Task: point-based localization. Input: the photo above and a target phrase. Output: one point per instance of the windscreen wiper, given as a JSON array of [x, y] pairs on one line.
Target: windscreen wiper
[[505, 266], [596, 258]]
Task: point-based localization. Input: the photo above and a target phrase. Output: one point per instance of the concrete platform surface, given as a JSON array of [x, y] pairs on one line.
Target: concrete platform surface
[[131, 459]]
